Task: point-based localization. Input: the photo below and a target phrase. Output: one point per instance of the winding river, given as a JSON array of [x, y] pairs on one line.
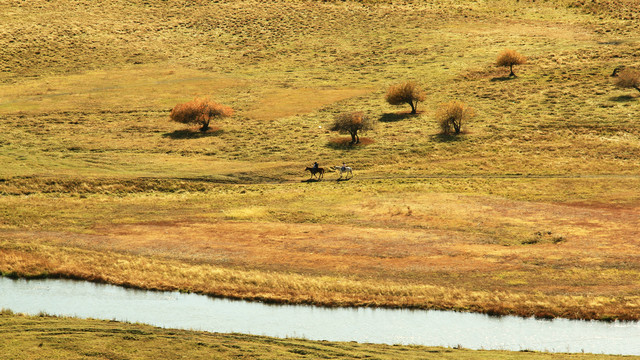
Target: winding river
[[367, 325]]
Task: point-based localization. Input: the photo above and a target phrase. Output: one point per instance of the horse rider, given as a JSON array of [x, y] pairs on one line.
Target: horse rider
[[315, 166], [344, 167]]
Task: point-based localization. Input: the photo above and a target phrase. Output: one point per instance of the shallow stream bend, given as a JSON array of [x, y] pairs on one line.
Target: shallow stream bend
[[366, 325]]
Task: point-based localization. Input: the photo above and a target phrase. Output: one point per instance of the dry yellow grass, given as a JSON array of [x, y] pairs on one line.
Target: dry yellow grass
[[94, 171], [281, 103], [149, 272], [384, 244]]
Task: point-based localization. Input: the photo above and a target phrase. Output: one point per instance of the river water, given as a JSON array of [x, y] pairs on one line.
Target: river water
[[366, 325]]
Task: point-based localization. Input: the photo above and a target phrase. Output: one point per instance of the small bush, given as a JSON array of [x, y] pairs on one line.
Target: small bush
[[628, 78], [452, 115], [405, 93], [510, 58], [351, 123], [199, 111], [543, 237]]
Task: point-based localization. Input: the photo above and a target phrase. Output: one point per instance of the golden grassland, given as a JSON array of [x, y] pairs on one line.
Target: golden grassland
[[417, 243], [534, 210], [30, 337]]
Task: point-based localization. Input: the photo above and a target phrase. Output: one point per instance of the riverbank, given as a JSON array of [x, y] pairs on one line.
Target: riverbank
[[29, 337], [177, 310]]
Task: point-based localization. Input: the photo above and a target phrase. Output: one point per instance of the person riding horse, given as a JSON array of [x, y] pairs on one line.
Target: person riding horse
[[344, 169], [315, 169]]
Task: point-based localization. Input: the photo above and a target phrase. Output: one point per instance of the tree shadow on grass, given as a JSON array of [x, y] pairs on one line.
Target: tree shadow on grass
[[344, 143], [192, 134], [503, 78], [623, 98], [445, 138], [393, 117]]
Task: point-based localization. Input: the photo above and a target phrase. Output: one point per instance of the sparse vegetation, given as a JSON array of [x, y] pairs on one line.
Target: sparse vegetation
[[199, 111], [96, 184], [406, 93], [510, 58], [628, 78], [452, 115], [351, 123]]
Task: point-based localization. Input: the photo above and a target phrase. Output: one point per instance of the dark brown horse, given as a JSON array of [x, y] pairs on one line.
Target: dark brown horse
[[315, 171]]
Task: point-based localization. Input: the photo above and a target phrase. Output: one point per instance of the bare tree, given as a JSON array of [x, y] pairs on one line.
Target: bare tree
[[628, 78], [452, 115], [351, 123], [199, 111], [510, 58], [405, 93]]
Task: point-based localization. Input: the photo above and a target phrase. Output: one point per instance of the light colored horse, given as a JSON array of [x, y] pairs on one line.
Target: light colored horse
[[347, 170]]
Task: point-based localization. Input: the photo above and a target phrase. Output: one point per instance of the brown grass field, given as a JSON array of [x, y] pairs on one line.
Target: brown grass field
[[415, 247], [533, 210]]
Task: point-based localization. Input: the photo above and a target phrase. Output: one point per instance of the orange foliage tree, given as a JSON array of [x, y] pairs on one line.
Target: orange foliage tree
[[628, 78], [452, 115], [405, 93], [510, 58], [351, 123], [199, 111]]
